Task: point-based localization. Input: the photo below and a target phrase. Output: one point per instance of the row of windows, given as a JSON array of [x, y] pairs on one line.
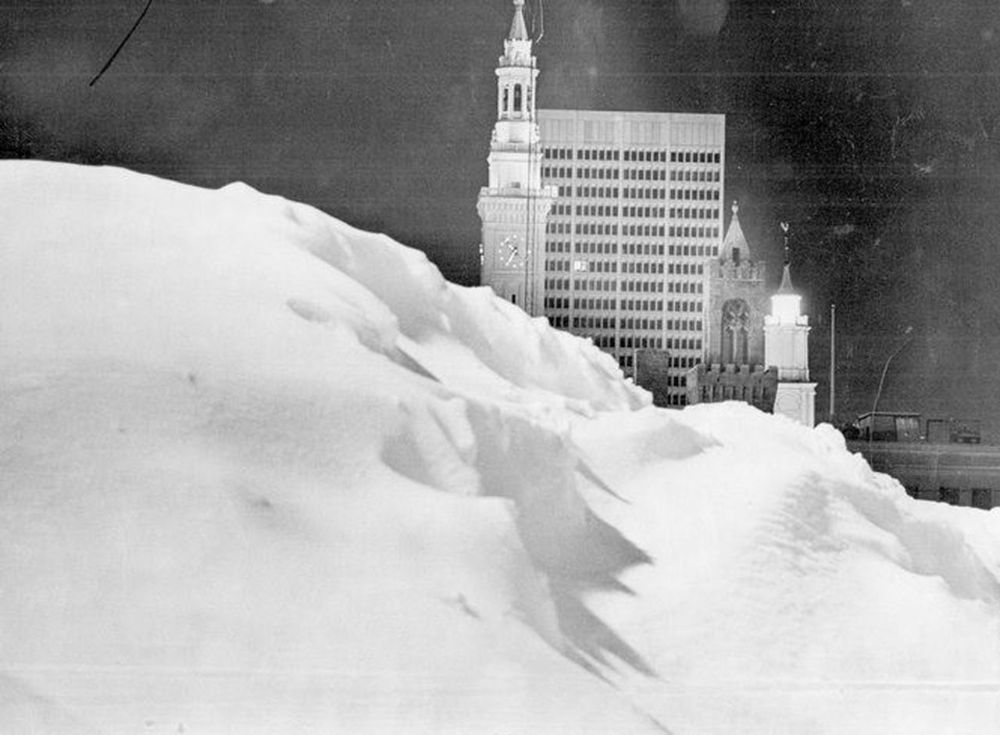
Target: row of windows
[[635, 248], [594, 322], [627, 286], [637, 305], [674, 362], [579, 284], [642, 267], [564, 246], [693, 250], [644, 174], [598, 210], [604, 341], [647, 156], [601, 304], [589, 154], [597, 192], [628, 174], [644, 212], [684, 287], [642, 343], [682, 362], [567, 172], [628, 305], [590, 228], [691, 231], [695, 306], [633, 192], [695, 194], [694, 175], [611, 266], [608, 322], [606, 248], [598, 266], [629, 230], [692, 213], [695, 157], [683, 343], [609, 210], [693, 269]]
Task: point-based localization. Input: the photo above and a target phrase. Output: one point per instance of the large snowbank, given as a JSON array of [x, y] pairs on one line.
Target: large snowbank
[[262, 472]]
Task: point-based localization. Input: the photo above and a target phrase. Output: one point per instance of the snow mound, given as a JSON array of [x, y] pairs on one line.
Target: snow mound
[[263, 472]]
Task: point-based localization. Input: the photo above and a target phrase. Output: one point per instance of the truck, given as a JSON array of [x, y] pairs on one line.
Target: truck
[[905, 426]]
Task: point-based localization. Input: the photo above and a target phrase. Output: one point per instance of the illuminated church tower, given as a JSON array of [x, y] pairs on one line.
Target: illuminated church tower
[[786, 347], [514, 206]]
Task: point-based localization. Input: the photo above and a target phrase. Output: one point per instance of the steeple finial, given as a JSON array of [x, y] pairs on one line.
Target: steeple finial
[[518, 29], [786, 275]]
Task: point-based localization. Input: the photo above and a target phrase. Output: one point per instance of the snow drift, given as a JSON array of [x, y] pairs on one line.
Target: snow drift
[[263, 472]]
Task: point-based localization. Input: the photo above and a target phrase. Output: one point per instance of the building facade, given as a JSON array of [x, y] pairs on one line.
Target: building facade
[[636, 222], [737, 301], [607, 223]]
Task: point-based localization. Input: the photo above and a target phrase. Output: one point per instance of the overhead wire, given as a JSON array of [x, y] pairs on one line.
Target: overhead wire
[[121, 45]]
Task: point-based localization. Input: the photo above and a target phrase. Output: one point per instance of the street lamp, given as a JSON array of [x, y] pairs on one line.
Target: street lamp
[[907, 336]]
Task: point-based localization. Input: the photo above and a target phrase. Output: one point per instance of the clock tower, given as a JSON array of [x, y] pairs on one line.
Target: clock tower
[[514, 206]]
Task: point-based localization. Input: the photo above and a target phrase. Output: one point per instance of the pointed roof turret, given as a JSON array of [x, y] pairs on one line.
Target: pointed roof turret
[[518, 29], [735, 246]]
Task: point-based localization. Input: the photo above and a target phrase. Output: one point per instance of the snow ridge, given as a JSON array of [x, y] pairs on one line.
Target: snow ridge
[[263, 472]]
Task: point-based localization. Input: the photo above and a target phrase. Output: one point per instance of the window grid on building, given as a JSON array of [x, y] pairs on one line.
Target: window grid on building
[[639, 214]]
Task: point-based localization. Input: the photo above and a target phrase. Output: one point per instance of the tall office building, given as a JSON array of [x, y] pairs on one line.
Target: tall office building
[[605, 222], [637, 220]]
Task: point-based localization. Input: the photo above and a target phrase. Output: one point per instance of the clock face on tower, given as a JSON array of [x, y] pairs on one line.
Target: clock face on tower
[[510, 252]]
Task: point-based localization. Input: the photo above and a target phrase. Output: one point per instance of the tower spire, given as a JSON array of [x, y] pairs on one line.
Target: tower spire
[[734, 247], [514, 205], [518, 28], [786, 286]]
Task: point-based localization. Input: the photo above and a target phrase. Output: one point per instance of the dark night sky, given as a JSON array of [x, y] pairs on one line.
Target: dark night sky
[[872, 125]]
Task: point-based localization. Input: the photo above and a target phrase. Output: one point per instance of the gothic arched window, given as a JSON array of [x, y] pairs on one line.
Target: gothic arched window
[[735, 332], [506, 101], [517, 98]]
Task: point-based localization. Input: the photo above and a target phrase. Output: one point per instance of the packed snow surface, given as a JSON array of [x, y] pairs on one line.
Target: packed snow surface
[[261, 472]]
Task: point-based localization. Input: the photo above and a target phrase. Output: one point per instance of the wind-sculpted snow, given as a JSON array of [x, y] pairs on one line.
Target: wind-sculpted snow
[[261, 472]]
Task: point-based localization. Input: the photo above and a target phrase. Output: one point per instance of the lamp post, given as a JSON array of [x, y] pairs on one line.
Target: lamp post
[[907, 336]]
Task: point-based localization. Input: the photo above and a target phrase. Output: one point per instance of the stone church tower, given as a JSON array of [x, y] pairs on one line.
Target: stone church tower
[[737, 302], [514, 206], [733, 366]]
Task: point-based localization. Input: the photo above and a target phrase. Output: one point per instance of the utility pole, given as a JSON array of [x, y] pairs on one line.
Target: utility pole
[[833, 360]]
